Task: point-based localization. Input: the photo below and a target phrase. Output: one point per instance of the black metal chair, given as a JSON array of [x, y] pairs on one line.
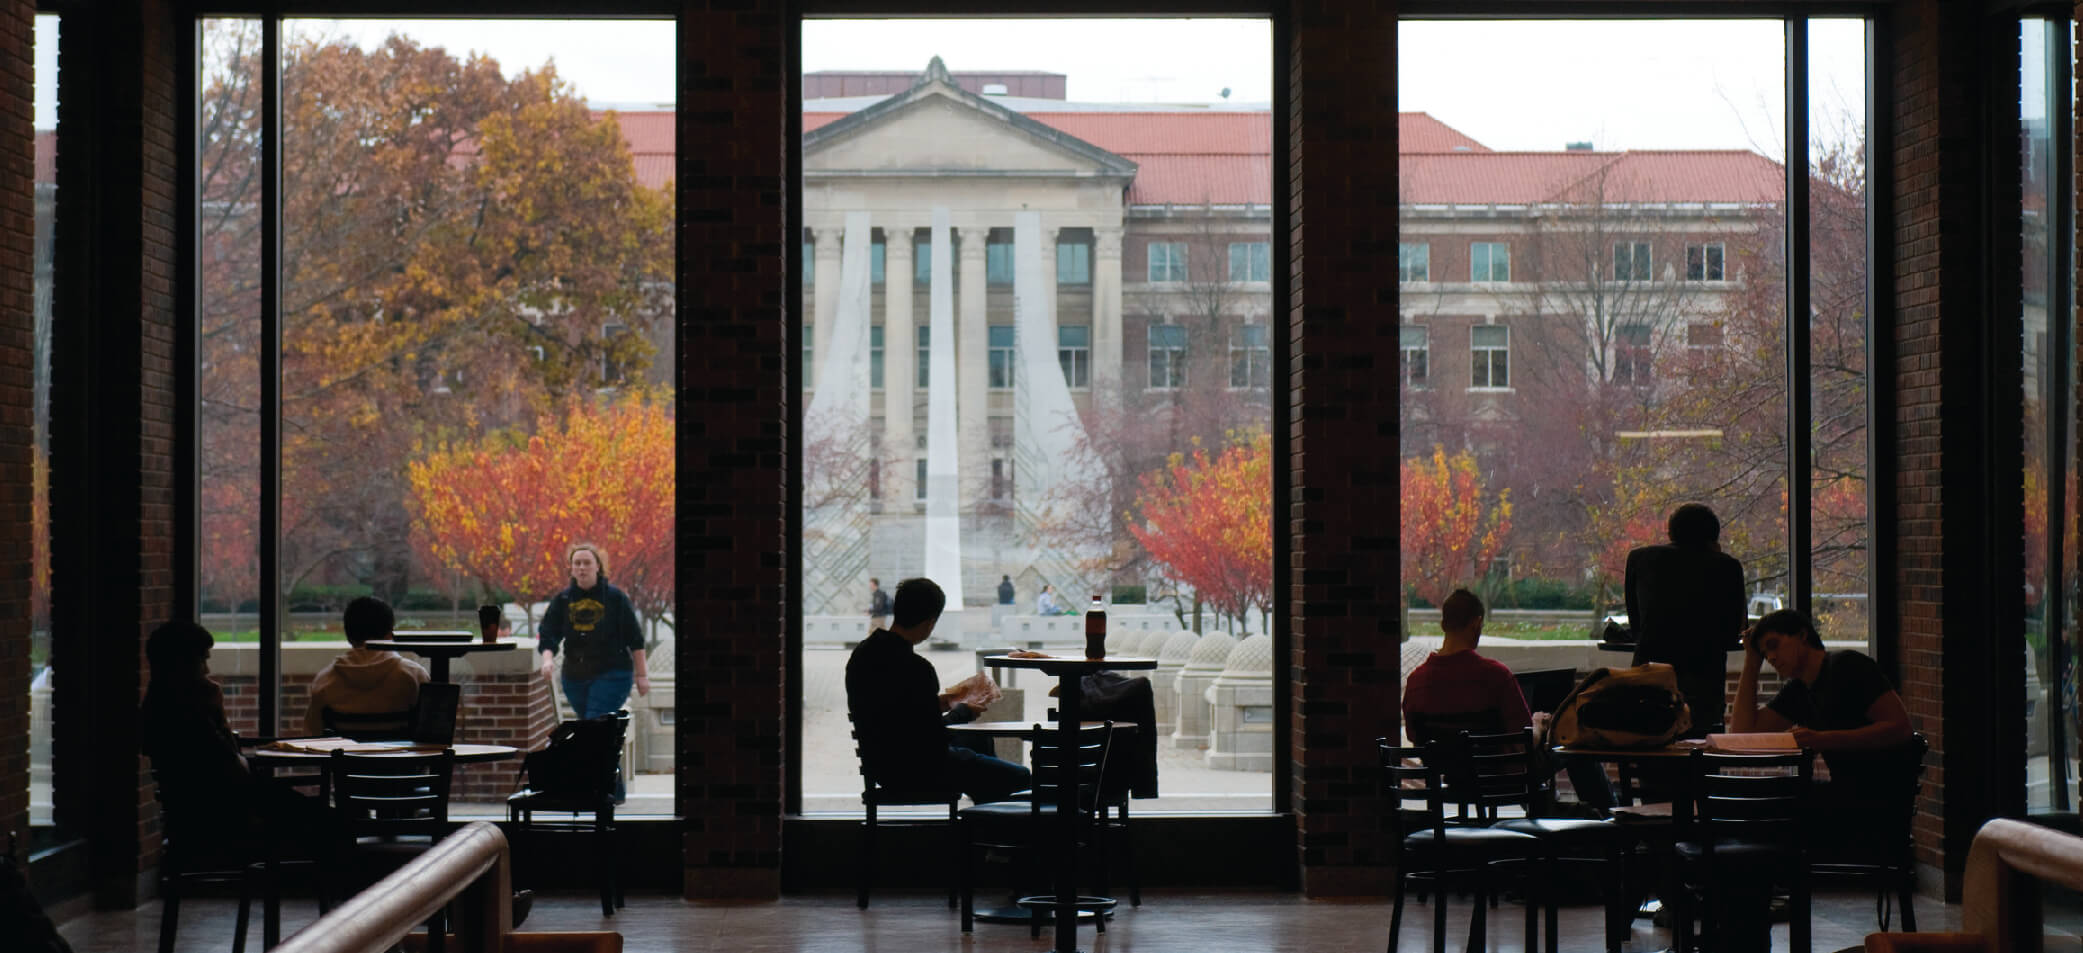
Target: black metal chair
[[193, 854], [392, 808], [1031, 826], [1738, 830], [1891, 865], [875, 794], [587, 788], [1439, 856]]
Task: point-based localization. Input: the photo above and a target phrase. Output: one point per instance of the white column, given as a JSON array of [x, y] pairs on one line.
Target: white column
[[1045, 278], [973, 368], [943, 536], [824, 291], [1106, 317], [899, 374]]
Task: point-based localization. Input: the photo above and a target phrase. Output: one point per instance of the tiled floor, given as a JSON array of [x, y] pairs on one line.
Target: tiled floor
[[1168, 921]]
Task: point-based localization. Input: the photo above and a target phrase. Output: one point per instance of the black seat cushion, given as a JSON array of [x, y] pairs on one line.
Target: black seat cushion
[[1474, 844], [1571, 833], [1739, 854]]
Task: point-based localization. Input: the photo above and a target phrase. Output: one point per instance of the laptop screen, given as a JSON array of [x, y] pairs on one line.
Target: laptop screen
[[434, 718]]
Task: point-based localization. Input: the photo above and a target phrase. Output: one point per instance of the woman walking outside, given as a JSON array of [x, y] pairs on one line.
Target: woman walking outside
[[596, 626]]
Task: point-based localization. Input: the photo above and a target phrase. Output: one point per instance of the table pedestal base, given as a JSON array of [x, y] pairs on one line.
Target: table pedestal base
[[1014, 913]]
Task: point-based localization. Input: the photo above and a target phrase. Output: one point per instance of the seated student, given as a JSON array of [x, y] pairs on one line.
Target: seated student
[[1456, 681], [1839, 704], [901, 714], [364, 681]]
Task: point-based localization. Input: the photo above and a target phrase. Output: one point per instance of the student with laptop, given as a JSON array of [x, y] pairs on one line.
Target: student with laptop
[[365, 680]]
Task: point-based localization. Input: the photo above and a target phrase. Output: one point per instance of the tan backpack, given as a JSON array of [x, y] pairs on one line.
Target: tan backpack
[[1639, 707]]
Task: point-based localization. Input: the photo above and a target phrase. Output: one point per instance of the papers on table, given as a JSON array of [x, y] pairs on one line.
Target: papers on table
[[330, 745], [1754, 742]]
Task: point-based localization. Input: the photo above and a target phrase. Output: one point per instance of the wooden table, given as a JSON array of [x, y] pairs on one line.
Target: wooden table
[[439, 652], [1070, 693]]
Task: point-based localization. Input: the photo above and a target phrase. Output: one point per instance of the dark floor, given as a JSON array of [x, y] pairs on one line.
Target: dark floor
[[1185, 921]]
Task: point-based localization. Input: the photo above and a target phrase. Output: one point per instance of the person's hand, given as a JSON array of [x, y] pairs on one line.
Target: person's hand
[[1752, 655], [549, 666], [643, 685], [1805, 736]]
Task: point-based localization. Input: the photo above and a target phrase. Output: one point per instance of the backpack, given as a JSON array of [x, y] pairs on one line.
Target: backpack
[[579, 762], [1639, 707]]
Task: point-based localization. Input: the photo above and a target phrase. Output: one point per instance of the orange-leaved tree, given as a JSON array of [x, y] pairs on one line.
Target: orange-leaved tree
[[1452, 529], [1207, 521], [503, 509]]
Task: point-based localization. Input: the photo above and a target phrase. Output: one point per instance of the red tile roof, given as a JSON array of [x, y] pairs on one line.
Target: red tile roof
[[1419, 132], [1520, 178]]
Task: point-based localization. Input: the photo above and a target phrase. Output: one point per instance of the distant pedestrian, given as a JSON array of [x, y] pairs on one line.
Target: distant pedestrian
[[1005, 590], [1045, 604], [878, 605]]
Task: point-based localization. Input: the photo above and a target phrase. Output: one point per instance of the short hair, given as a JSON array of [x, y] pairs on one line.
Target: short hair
[[918, 600], [368, 618], [1787, 622], [874, 581], [598, 556], [1694, 526], [175, 646], [1460, 610]]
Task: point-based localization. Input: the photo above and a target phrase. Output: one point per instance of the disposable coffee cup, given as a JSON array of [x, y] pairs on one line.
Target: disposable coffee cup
[[488, 620]]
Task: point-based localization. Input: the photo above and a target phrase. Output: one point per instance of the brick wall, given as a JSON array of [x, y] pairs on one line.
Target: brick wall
[[734, 72], [17, 381], [1343, 414]]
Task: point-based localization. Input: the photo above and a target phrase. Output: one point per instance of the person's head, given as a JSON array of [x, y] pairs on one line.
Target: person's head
[[1694, 526], [1004, 578], [588, 564], [1461, 616], [179, 651], [368, 618], [874, 583], [916, 609], [1788, 641], [1048, 588]]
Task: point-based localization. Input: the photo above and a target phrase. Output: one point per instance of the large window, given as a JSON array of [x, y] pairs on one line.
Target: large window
[[42, 812], [1098, 219], [1414, 261], [473, 245], [1415, 355], [1615, 262]]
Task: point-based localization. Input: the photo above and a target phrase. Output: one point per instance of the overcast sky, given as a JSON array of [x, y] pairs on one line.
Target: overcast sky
[[1510, 85]]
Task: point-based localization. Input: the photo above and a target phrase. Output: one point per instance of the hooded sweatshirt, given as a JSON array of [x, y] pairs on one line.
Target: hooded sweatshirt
[[597, 628], [364, 681]]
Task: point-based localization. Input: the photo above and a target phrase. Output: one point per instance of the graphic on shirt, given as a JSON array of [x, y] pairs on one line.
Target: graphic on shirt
[[585, 613]]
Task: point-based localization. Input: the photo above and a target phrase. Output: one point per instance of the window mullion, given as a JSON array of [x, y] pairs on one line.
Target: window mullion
[[1798, 517]]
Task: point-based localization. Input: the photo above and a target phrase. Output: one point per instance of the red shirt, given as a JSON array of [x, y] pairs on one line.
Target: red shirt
[[1465, 682]]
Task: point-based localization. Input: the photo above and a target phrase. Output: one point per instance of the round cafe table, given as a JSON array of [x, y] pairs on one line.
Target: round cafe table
[[1070, 693], [439, 652]]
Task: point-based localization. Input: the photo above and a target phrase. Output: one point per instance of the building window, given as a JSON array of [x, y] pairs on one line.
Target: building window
[[998, 260], [876, 258], [1167, 356], [1074, 352], [1703, 336], [1001, 357], [1705, 262], [1489, 261], [1414, 261], [1490, 352], [809, 355], [1167, 261], [1000, 485], [1073, 263], [919, 485], [1251, 356], [1631, 262], [1416, 362], [1251, 261], [875, 356], [922, 263], [1631, 355], [809, 261], [925, 355]]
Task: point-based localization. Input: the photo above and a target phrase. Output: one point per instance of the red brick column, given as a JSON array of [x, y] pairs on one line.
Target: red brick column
[[17, 383], [1344, 418], [734, 73]]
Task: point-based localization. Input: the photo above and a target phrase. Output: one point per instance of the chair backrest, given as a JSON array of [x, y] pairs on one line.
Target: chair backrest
[[1055, 766], [392, 795], [367, 726], [1409, 778], [579, 762], [1486, 771], [1749, 797]]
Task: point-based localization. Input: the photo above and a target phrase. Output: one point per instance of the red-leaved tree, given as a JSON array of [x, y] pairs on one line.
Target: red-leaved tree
[[1452, 527], [1207, 522]]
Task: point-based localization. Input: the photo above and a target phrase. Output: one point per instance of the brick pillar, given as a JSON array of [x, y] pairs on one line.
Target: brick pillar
[[1343, 454], [17, 400], [735, 67]]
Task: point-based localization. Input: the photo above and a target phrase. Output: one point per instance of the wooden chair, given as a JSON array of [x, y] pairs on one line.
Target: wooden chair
[[875, 794], [1031, 827], [1891, 866], [598, 746], [392, 808], [1438, 856], [1738, 828]]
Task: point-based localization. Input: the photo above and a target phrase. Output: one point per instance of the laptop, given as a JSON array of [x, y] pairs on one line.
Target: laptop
[[1546, 688], [434, 717]]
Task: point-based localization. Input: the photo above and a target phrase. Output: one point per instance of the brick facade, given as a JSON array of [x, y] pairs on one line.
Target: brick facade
[[1343, 614], [17, 382]]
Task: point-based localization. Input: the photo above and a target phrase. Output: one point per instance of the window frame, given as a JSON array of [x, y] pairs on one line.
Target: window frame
[[1491, 263], [1175, 261], [1639, 260], [1075, 359], [1406, 270], [1002, 356], [1257, 357], [1714, 257], [1174, 360], [1492, 357], [1404, 351], [1258, 260]]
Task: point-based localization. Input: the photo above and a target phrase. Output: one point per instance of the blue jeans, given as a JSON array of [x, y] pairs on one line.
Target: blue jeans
[[983, 777], [603, 694]]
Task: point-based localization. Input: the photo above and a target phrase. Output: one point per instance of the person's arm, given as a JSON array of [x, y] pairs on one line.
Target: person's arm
[[633, 635], [1744, 713], [643, 672], [1889, 727], [1734, 614], [1629, 596], [550, 634]]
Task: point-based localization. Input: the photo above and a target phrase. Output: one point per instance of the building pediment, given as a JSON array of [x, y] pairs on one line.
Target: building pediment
[[937, 128]]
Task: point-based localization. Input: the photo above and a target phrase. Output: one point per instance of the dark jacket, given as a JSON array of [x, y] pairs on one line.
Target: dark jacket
[[597, 628], [195, 756], [1686, 608], [894, 697]]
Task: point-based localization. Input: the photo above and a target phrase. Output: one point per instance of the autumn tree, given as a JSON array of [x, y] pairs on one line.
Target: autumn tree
[[1206, 521], [456, 245], [503, 508], [1453, 527]]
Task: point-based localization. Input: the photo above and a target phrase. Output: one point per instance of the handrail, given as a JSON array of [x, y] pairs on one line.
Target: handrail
[[471, 864]]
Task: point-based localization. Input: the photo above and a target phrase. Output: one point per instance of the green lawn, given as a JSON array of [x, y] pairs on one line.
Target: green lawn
[[1529, 630]]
